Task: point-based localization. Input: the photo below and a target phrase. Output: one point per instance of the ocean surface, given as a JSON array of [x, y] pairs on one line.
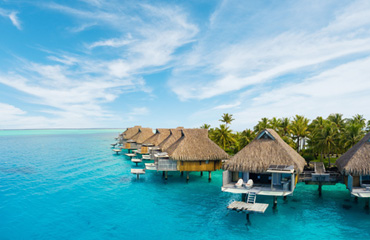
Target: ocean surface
[[68, 184]]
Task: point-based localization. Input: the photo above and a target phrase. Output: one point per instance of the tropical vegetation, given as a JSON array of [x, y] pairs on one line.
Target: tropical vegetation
[[322, 139]]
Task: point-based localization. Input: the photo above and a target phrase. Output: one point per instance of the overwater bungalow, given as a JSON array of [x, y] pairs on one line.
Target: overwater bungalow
[[195, 152], [355, 166], [128, 133], [266, 166], [159, 136], [160, 156], [137, 140]]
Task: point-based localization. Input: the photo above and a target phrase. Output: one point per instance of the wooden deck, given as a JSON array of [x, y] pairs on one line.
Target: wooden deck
[[117, 151], [259, 190], [130, 154], [150, 166], [249, 207], [137, 171]]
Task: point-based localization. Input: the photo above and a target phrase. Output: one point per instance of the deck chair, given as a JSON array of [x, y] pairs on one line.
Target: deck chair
[[239, 184], [249, 184]]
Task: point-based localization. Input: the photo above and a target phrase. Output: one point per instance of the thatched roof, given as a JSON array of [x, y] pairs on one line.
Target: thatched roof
[[262, 152], [356, 161], [142, 135], [160, 135], [194, 145], [175, 134], [130, 132]]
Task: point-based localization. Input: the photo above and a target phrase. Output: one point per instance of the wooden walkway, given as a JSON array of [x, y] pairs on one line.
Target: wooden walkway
[[319, 167], [249, 207]]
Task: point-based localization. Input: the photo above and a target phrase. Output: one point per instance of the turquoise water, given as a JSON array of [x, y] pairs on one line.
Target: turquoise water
[[58, 184]]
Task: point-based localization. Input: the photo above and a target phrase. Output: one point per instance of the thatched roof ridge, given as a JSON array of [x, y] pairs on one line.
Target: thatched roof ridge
[[160, 135], [130, 132], [142, 135], [356, 161], [258, 155], [174, 135], [194, 145]]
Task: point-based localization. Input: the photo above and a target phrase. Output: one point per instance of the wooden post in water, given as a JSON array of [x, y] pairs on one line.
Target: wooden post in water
[[209, 176], [275, 202], [367, 203], [165, 176], [137, 176], [248, 217], [182, 173], [319, 189], [201, 174], [187, 176]]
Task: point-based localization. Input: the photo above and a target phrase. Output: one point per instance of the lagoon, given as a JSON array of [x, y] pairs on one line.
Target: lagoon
[[68, 184]]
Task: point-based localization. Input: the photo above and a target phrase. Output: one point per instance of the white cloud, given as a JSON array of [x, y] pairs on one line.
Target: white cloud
[[7, 110], [216, 67], [228, 106], [343, 89], [114, 42], [78, 86], [12, 15]]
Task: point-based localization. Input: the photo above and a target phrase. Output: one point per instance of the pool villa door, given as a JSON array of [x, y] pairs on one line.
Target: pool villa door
[[276, 179]]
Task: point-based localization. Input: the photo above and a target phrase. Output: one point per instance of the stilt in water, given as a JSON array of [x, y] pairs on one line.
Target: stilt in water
[[137, 176], [356, 199], [319, 189], [209, 176], [285, 198], [182, 173], [187, 176], [165, 176], [275, 202], [367, 204], [201, 174], [248, 217]]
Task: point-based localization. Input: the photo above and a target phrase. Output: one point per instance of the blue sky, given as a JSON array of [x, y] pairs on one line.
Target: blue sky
[[74, 64]]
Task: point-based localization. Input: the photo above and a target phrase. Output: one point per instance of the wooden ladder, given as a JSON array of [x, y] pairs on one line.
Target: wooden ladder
[[251, 197]]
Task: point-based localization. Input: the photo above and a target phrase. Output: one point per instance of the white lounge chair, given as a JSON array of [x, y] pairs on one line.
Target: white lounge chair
[[249, 184], [239, 183]]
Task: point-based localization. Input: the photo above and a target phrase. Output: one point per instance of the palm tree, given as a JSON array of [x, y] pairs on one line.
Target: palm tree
[[206, 126], [359, 119], [284, 127], [275, 124], [262, 124], [368, 126], [351, 135], [326, 137], [246, 137], [337, 118], [300, 130], [315, 128], [223, 136], [227, 118]]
